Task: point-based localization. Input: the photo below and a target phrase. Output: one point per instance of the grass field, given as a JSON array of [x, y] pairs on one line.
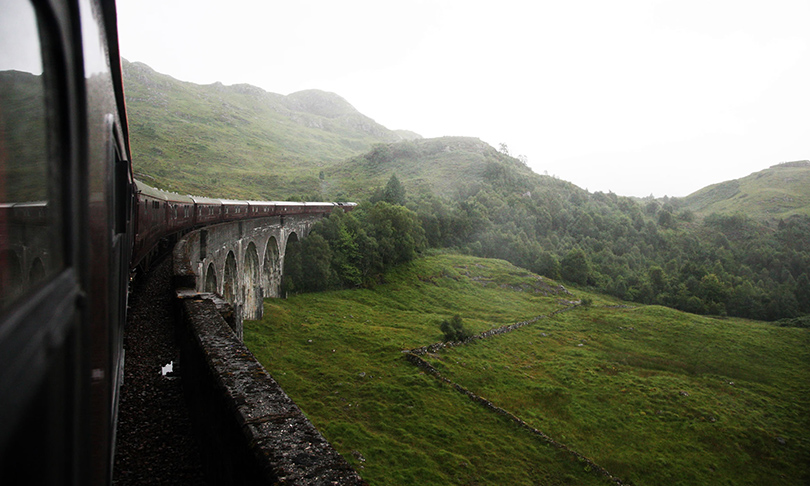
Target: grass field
[[652, 395]]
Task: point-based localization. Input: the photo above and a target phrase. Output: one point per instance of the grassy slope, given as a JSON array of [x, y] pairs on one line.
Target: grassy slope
[[239, 141], [444, 166], [242, 142], [777, 192], [615, 399]]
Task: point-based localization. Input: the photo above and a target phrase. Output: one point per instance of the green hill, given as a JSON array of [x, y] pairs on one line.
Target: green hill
[[240, 141], [778, 192], [443, 167], [652, 395], [746, 254]]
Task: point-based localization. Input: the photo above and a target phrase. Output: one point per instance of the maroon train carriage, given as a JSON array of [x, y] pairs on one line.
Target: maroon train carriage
[[65, 240], [206, 210], [73, 224], [346, 206], [234, 210], [180, 217], [260, 209], [150, 221], [290, 208]]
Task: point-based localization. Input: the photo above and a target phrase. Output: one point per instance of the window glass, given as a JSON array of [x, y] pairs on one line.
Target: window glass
[[30, 232]]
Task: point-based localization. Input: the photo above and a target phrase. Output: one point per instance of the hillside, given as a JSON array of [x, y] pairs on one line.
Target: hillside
[[240, 141], [443, 167], [652, 395], [737, 248], [479, 201], [23, 141], [778, 192]]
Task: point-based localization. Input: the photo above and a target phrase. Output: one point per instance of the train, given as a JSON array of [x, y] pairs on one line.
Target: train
[[74, 225], [162, 216]]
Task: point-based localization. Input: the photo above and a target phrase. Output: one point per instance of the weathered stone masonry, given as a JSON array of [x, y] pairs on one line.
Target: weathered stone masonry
[[241, 261], [252, 432]]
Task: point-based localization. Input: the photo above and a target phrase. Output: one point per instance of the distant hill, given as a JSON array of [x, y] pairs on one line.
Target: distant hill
[[778, 192], [243, 142], [439, 166], [240, 141]]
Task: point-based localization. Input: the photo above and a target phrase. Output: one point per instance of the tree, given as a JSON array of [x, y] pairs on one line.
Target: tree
[[712, 289], [316, 260], [657, 279], [291, 277], [548, 265], [397, 231], [394, 192], [665, 219], [803, 293], [576, 267]]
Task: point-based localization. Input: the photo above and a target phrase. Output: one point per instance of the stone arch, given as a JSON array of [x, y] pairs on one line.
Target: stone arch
[[271, 270], [210, 279], [229, 279], [37, 272], [291, 264], [251, 284], [11, 277]]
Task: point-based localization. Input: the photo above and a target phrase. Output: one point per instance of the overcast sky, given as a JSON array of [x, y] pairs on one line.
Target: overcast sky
[[635, 97]]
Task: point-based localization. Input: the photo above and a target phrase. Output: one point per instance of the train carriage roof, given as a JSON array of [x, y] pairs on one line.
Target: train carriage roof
[[161, 194], [207, 201], [234, 202], [150, 191]]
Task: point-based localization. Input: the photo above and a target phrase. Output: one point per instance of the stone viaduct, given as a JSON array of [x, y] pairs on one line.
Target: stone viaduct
[[241, 261], [250, 431]]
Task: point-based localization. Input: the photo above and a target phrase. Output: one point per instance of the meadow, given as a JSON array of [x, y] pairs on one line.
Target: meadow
[[652, 395]]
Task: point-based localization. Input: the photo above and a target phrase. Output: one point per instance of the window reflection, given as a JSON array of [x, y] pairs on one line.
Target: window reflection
[[30, 236]]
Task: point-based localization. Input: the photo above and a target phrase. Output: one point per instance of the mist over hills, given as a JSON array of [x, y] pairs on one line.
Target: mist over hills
[[240, 141], [736, 248]]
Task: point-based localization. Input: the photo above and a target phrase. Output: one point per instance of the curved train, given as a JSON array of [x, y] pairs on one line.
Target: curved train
[[162, 216], [73, 224]]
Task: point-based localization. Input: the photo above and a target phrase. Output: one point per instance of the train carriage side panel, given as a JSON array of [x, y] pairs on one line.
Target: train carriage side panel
[[235, 210], [206, 210]]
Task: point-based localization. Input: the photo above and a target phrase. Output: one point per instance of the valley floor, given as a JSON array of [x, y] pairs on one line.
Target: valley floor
[[652, 395]]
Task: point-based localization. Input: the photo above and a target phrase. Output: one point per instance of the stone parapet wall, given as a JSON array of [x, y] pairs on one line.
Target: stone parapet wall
[[251, 432]]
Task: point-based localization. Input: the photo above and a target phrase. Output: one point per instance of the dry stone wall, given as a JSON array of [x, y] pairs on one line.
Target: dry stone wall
[[414, 356]]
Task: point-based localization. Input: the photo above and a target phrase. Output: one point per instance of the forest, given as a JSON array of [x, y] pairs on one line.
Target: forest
[[651, 251]]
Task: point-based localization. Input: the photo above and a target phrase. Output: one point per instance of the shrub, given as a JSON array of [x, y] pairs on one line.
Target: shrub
[[454, 329]]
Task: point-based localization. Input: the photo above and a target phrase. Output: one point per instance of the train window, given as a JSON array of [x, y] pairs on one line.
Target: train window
[[31, 236], [122, 188]]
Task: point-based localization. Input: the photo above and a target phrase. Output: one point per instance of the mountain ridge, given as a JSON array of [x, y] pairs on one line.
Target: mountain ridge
[[244, 142], [240, 140]]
